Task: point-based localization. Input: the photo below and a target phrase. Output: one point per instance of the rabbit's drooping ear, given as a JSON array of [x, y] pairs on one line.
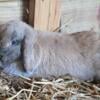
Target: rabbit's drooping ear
[[88, 42], [28, 50]]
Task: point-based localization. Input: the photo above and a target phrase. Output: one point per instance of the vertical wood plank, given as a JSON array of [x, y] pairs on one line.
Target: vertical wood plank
[[47, 15], [41, 14], [54, 15]]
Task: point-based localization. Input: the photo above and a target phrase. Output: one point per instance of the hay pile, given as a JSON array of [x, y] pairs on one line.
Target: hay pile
[[62, 88]]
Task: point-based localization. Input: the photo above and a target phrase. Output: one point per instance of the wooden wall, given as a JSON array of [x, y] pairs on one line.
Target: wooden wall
[[41, 14], [79, 15], [10, 9], [44, 14]]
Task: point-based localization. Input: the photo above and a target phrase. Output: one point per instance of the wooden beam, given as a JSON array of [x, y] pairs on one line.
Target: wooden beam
[[31, 12], [54, 15], [46, 16]]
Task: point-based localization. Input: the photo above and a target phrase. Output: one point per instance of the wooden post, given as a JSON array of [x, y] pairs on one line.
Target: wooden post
[[31, 12], [46, 14]]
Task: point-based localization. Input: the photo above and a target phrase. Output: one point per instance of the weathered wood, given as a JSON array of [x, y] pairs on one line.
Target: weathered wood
[[10, 9], [54, 18], [47, 14], [79, 15]]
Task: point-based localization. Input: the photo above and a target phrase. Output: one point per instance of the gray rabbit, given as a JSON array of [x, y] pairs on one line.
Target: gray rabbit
[[25, 51]]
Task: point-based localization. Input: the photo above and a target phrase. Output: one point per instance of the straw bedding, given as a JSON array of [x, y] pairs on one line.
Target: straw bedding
[[62, 88]]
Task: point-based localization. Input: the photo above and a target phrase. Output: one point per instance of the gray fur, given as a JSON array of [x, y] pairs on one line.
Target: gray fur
[[45, 54]]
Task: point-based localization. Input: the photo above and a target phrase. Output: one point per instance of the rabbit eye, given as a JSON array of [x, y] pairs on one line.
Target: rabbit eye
[[16, 42]]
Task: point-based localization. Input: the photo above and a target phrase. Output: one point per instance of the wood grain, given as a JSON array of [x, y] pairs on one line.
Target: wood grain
[[47, 15]]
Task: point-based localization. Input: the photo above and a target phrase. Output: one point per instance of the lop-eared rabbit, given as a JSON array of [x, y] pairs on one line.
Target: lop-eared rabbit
[[31, 53]]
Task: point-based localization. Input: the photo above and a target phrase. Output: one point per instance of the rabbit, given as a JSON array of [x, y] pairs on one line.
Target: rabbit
[[32, 53]]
